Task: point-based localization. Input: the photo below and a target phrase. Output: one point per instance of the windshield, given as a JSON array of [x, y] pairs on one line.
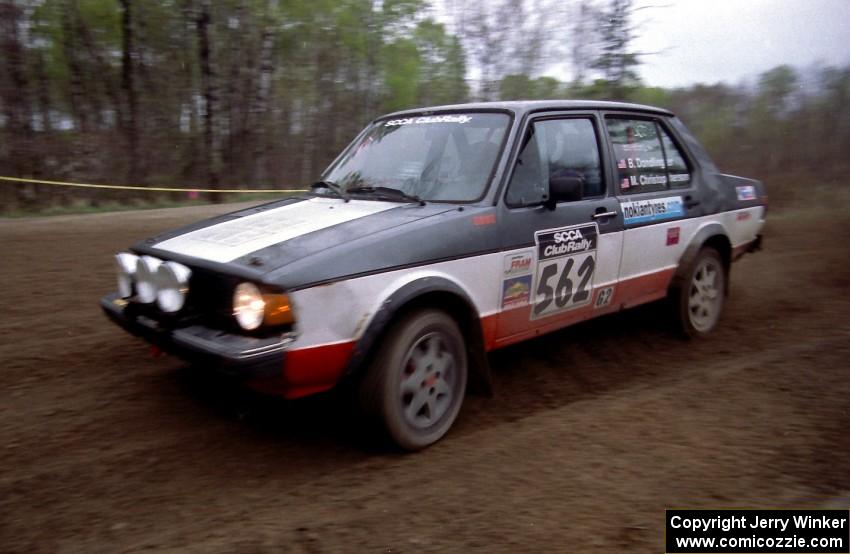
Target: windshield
[[445, 157]]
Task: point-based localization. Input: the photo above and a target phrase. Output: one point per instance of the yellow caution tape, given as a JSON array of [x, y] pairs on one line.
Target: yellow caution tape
[[128, 187]]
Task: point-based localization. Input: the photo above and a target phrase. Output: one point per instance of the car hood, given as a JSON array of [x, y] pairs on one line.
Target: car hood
[[303, 241]]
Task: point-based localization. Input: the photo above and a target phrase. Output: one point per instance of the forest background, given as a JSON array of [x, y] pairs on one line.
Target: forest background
[[262, 94]]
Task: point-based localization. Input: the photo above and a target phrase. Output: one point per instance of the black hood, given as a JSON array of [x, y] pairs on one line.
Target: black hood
[[339, 239]]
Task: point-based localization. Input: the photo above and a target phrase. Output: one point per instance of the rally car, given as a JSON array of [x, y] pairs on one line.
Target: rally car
[[437, 236]]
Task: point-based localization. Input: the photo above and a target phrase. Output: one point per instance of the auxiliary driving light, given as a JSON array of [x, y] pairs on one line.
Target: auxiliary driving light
[[172, 281], [146, 279], [125, 265]]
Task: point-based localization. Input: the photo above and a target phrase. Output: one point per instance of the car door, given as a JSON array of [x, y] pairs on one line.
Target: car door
[[658, 200], [561, 255]]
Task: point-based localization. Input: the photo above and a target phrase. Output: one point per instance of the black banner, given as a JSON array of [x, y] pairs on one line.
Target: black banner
[[555, 243], [757, 531]]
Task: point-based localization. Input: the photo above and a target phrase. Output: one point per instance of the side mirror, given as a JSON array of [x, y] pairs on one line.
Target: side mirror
[[564, 189]]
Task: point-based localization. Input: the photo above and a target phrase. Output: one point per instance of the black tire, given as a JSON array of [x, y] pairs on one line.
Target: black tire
[[697, 298], [417, 380]]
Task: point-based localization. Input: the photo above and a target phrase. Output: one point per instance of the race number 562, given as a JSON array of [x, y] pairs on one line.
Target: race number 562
[[564, 283]]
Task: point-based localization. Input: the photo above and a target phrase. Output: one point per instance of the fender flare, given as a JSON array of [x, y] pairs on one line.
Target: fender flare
[[701, 237], [410, 295]]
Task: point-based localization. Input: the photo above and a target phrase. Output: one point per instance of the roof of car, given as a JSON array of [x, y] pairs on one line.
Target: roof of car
[[523, 106]]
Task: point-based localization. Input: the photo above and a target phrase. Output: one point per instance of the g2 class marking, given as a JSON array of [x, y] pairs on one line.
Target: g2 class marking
[[603, 297], [566, 261]]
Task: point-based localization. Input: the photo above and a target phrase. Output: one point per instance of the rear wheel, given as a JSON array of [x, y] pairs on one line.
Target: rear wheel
[[416, 383], [698, 299]]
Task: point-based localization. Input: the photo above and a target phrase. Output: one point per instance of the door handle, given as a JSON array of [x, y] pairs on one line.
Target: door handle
[[602, 215], [690, 202]]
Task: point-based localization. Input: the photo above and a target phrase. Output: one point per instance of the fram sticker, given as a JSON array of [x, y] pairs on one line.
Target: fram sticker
[[655, 209], [516, 291], [518, 264], [672, 236], [743, 216], [746, 192]]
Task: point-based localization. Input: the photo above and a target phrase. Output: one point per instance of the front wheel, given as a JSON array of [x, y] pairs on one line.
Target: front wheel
[[416, 382], [698, 299]]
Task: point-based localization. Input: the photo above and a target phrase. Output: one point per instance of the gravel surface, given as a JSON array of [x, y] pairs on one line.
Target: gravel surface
[[592, 433]]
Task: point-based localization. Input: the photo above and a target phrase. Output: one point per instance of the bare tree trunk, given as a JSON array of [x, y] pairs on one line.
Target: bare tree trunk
[[103, 69], [208, 92], [260, 109], [77, 94], [130, 128], [14, 91], [43, 94]]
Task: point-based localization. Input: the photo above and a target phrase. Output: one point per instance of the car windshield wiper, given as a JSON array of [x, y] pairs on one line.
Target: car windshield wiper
[[333, 187], [389, 193]]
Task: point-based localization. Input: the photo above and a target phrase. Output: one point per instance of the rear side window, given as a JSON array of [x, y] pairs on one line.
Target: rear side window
[[677, 167], [647, 158]]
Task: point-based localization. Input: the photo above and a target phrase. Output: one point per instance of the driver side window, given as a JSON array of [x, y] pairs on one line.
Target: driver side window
[[562, 149]]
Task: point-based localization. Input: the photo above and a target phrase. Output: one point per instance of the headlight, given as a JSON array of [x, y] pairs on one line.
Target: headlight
[[146, 279], [125, 265], [172, 280], [249, 307], [253, 308]]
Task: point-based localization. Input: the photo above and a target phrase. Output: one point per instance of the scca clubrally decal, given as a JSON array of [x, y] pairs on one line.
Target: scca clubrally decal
[[566, 263]]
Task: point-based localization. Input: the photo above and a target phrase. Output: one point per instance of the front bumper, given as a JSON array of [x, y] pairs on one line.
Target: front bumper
[[239, 356]]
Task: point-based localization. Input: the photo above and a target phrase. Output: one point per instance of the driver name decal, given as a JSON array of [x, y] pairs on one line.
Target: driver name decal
[[566, 262]]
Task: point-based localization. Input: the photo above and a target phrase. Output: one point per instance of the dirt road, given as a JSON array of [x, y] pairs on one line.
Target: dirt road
[[593, 431]]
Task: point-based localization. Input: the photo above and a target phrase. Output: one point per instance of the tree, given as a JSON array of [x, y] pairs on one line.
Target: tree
[[264, 93], [616, 62], [208, 93], [14, 91], [128, 86]]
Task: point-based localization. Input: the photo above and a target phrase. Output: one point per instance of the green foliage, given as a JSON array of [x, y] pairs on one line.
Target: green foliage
[[442, 79], [523, 87], [616, 62], [653, 96], [402, 65]]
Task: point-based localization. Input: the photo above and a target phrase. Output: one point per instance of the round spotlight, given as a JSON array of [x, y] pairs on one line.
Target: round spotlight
[[125, 265], [146, 279], [172, 286], [249, 307]]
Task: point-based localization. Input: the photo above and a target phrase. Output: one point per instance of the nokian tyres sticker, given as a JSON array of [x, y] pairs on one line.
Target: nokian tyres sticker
[[566, 262], [654, 209]]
